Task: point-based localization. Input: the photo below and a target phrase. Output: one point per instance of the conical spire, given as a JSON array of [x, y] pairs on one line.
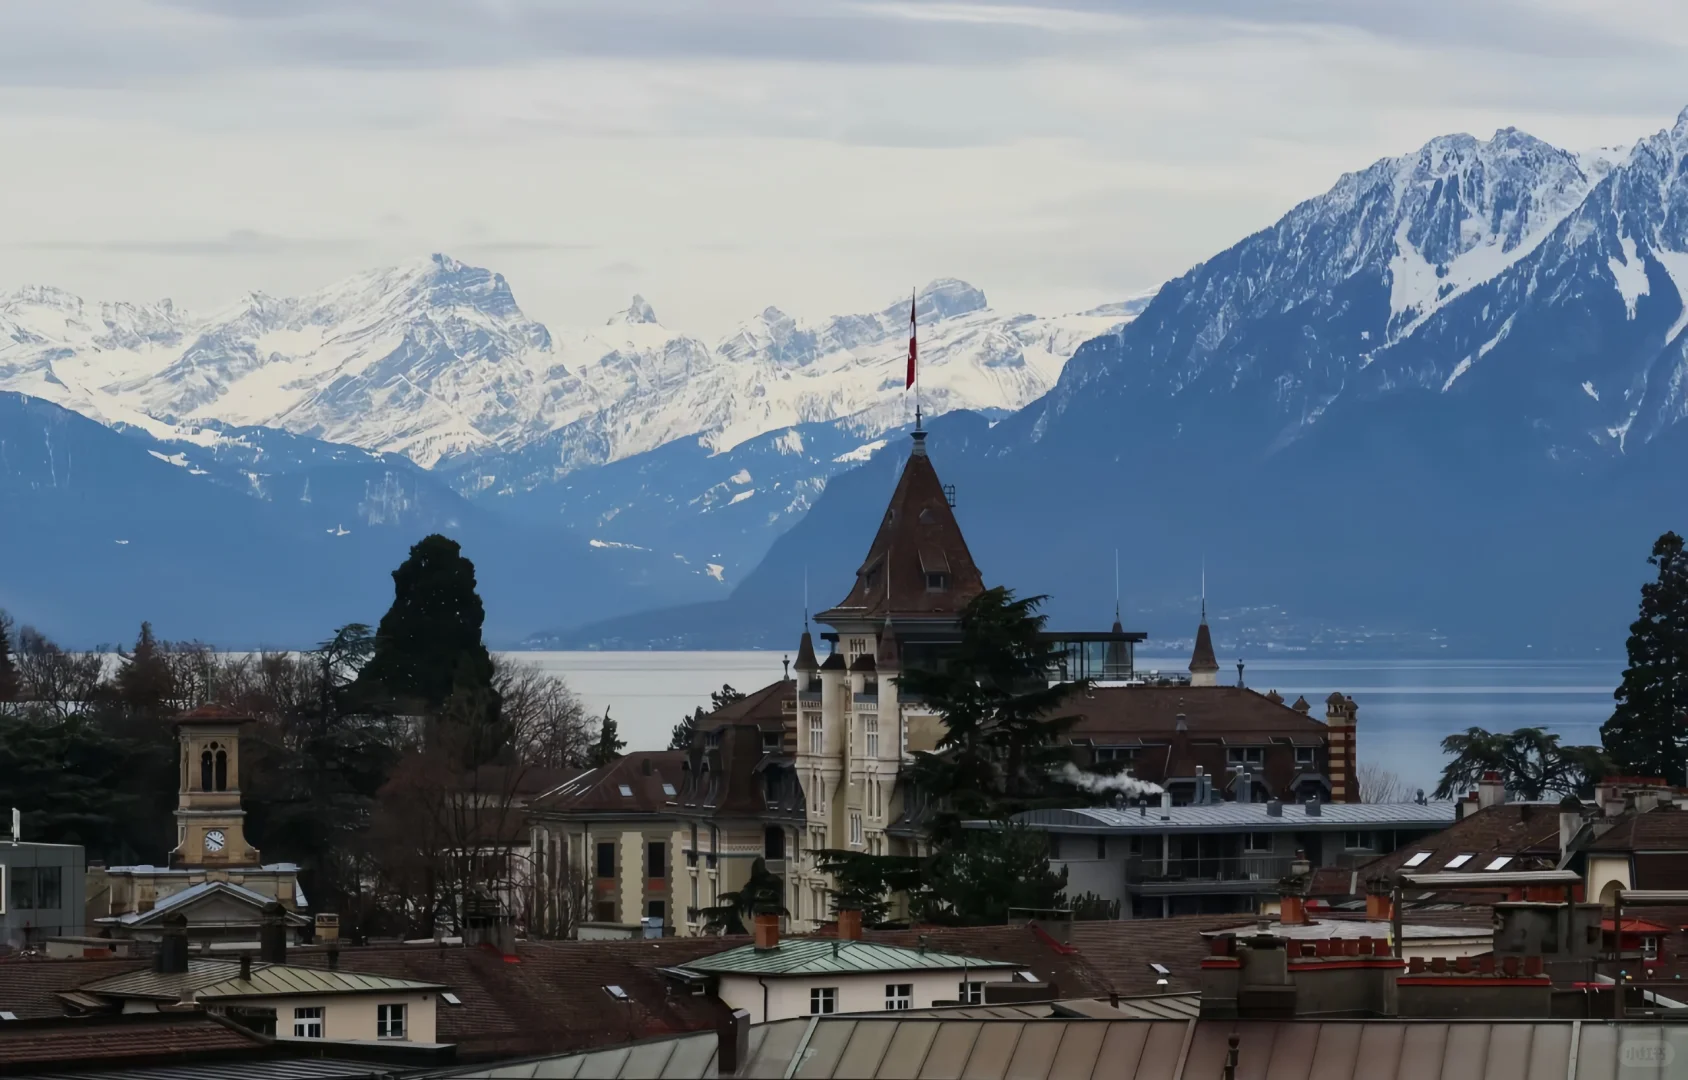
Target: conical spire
[[1204, 667], [806, 654], [889, 656]]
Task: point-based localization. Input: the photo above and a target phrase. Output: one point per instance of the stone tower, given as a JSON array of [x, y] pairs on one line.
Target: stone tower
[[210, 824], [1340, 716]]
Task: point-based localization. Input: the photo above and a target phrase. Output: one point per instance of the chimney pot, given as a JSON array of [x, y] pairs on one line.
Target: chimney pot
[[1313, 808], [1274, 808], [767, 932]]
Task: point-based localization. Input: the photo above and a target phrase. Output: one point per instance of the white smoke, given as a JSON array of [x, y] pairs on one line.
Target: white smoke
[[1121, 782]]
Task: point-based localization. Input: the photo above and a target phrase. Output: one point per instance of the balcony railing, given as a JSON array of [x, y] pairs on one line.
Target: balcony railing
[[1150, 870]]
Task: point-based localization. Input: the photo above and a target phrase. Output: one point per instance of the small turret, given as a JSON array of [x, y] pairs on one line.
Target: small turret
[[806, 654], [1204, 667], [889, 655]]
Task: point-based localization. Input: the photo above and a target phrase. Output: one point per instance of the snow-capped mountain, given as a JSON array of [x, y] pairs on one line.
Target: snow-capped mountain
[[1445, 394], [435, 360]]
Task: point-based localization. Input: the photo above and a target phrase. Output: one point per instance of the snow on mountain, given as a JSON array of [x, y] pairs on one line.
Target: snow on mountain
[[434, 359]]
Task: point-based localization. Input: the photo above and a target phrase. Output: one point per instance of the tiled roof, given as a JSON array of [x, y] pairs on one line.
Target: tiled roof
[[643, 782], [1525, 833], [551, 998], [1207, 710], [1122, 950], [30, 988], [765, 708], [918, 534], [1225, 817], [1663, 829], [811, 956], [221, 979], [113, 1039]]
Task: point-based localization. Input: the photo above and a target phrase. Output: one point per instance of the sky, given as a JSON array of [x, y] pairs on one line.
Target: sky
[[721, 156]]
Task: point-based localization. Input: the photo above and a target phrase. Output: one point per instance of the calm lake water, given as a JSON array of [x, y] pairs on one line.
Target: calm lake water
[[1406, 706]]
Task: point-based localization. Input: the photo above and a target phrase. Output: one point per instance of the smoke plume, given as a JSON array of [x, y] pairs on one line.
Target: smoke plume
[[1121, 783]]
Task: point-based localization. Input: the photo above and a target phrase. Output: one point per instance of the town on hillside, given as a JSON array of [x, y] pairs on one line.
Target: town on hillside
[[952, 841]]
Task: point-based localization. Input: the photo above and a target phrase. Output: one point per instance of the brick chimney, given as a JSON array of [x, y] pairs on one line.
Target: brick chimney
[[849, 924], [767, 932], [1380, 907], [1491, 791], [1340, 716]]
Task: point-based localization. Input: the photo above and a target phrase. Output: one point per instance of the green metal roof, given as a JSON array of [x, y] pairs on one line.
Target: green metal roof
[[221, 979], [816, 956]]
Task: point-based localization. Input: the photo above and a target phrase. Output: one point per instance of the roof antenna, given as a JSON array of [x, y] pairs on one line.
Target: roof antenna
[[805, 597], [1204, 588], [1116, 584]]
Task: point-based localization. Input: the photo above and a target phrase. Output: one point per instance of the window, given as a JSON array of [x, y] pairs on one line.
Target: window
[[626, 791], [1358, 841], [857, 647], [616, 992], [871, 725], [1101, 847], [1306, 755], [1054, 845], [48, 884], [899, 996], [823, 1000], [1649, 948], [656, 859], [815, 736], [604, 911], [1115, 753], [712, 740], [1496, 864], [1417, 859], [937, 582], [668, 789], [770, 742], [856, 829], [307, 1022], [972, 993], [606, 859], [656, 909], [1257, 841], [1245, 755], [1458, 861], [389, 1021]]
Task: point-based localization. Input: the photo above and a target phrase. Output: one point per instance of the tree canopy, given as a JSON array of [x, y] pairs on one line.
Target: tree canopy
[[1531, 763], [1647, 734], [763, 893]]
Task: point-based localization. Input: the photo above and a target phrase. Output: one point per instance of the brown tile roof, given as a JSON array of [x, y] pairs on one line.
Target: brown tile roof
[[520, 782], [130, 1040], [1663, 829], [1122, 950], [917, 535], [599, 791], [765, 708], [1207, 710], [30, 988], [1527, 831], [552, 998], [737, 776], [1202, 658]]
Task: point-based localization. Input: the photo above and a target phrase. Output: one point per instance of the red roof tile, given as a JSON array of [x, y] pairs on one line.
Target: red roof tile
[[1207, 710], [30, 988], [645, 774], [1529, 832], [109, 1040]]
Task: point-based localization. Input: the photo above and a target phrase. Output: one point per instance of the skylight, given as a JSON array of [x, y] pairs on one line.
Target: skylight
[[1026, 976], [451, 999], [1418, 857], [1498, 863], [1458, 861], [616, 992], [1160, 969], [626, 792], [668, 789]]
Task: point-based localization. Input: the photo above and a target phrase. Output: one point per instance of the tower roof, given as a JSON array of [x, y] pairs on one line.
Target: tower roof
[[918, 545], [889, 656], [806, 654], [1202, 659]]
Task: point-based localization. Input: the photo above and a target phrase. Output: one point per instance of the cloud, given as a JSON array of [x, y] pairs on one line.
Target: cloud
[[237, 243]]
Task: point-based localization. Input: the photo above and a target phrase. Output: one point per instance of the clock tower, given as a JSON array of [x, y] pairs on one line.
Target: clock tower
[[210, 828]]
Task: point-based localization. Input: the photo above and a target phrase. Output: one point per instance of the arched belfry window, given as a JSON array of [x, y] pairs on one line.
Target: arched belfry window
[[205, 770], [222, 769]]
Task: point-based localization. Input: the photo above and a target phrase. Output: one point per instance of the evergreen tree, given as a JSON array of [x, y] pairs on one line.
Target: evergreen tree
[[1530, 761], [685, 731], [610, 744], [10, 683], [720, 699], [428, 645], [763, 893], [144, 683], [1648, 732]]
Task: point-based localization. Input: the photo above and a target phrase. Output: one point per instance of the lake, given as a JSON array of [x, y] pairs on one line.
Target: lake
[[1406, 706]]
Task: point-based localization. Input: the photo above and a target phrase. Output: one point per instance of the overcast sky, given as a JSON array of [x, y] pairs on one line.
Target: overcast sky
[[719, 156]]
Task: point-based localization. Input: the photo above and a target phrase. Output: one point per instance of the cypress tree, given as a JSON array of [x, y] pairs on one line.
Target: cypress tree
[[609, 745], [428, 645], [1648, 732]]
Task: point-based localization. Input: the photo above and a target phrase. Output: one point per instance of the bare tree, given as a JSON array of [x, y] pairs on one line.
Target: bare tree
[[51, 678], [1380, 785], [549, 725], [559, 898]]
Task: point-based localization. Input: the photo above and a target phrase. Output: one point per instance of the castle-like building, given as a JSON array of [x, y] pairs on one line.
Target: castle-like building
[[813, 762]]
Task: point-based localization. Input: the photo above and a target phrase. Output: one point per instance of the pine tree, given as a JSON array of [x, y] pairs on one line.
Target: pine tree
[[1648, 732], [10, 683], [145, 684], [685, 731], [763, 893], [610, 744], [428, 645]]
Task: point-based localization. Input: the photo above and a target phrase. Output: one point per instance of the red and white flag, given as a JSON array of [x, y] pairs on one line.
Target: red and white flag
[[911, 345]]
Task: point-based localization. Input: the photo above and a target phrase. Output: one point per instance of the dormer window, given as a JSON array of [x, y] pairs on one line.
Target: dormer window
[[937, 582], [770, 742]]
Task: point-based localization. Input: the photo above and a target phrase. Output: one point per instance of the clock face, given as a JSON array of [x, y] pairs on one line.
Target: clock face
[[214, 840]]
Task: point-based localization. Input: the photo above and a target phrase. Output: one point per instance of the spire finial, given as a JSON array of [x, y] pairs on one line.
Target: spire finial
[[805, 596], [1116, 584], [1204, 588]]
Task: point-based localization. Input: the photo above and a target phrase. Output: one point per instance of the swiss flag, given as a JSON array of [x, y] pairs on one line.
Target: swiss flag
[[911, 345]]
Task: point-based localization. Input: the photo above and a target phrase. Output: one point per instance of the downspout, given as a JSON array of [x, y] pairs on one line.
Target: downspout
[[763, 983]]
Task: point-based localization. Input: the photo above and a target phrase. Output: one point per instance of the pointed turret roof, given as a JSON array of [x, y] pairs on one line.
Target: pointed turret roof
[[917, 537], [889, 656], [806, 654], [1202, 659]]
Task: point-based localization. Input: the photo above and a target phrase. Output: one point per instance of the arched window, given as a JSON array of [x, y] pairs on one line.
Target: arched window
[[205, 766], [222, 770]]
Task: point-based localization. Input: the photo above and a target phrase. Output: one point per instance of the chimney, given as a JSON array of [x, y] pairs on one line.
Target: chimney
[[272, 934], [849, 924], [1314, 807], [1570, 823], [1292, 910], [334, 956], [1245, 787], [1340, 714], [245, 967], [1379, 906], [732, 1050], [767, 932], [172, 956], [645, 766], [1166, 800], [1274, 808], [1491, 791], [327, 927]]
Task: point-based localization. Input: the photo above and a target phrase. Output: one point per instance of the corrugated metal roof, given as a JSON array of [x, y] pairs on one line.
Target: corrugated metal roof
[[1219, 817], [245, 1069], [221, 979], [868, 1048], [812, 956]]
